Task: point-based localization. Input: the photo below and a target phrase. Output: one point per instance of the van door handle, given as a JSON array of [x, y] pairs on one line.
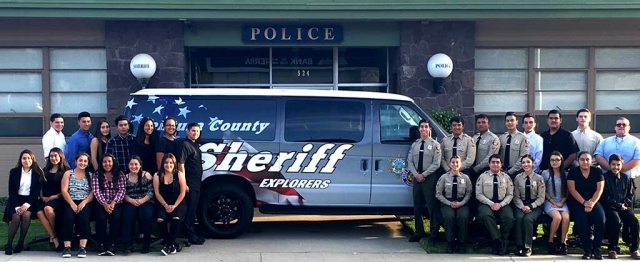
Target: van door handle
[[364, 165], [376, 165]]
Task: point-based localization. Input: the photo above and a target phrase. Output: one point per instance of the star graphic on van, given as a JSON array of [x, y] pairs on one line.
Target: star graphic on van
[[178, 101], [184, 111], [130, 104], [158, 110], [137, 118], [152, 99]]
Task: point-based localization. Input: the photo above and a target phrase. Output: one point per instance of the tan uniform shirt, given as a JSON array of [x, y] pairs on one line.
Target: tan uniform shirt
[[587, 140], [444, 188], [518, 148], [538, 190], [484, 188], [466, 150], [430, 160], [489, 145]]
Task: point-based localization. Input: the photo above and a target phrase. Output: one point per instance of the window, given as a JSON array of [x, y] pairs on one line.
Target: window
[[356, 68], [396, 123], [537, 80], [501, 80], [324, 121], [78, 81]]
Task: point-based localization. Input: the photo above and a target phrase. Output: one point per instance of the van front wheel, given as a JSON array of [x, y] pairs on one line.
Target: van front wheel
[[226, 211]]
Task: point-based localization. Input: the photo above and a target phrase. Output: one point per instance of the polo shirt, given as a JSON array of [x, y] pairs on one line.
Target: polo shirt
[[561, 141]]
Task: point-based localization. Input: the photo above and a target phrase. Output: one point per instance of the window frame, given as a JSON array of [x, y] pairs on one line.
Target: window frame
[[591, 71], [45, 72]]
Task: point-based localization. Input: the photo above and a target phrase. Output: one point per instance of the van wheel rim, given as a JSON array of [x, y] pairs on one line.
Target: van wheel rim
[[224, 212]]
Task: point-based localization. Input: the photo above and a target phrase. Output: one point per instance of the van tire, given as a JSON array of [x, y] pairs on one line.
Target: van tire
[[226, 203]]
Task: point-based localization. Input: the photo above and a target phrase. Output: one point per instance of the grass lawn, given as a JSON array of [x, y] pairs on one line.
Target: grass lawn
[[480, 245], [35, 230]]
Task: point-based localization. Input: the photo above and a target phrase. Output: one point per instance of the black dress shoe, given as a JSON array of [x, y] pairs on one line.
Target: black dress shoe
[[502, 248], [18, 247], [415, 238], [8, 249], [551, 248], [586, 254], [195, 241], [450, 248], [596, 254], [462, 249], [201, 239], [527, 252]]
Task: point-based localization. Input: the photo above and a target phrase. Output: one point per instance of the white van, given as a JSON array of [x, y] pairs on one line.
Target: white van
[[292, 151]]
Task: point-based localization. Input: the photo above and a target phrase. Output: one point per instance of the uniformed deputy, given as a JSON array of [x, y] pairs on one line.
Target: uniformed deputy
[[487, 144], [423, 162], [529, 195], [513, 145], [454, 191], [458, 144], [494, 190]]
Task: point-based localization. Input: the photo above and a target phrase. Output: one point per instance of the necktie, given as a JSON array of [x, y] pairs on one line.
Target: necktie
[[454, 191], [477, 145], [421, 158], [495, 197], [527, 191], [507, 152], [455, 147]]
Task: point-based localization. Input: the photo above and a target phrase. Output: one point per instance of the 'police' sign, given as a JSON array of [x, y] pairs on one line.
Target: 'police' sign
[[292, 34]]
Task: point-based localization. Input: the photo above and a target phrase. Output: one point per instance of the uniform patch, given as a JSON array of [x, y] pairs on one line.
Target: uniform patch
[[398, 166], [517, 142], [430, 147], [496, 142], [526, 141]]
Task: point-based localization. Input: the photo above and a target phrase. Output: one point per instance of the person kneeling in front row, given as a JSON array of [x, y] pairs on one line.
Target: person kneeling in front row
[[494, 190], [617, 201], [454, 191]]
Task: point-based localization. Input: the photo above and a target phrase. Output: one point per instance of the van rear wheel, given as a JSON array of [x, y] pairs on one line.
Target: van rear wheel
[[226, 211]]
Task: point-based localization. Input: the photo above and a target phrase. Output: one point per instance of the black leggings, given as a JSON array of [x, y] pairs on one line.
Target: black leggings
[[169, 223], [102, 217], [71, 218]]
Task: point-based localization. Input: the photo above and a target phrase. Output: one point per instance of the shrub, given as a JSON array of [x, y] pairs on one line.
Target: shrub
[[443, 117]]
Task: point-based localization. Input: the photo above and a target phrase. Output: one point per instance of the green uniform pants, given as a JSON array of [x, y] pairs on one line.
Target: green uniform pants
[[455, 219], [425, 192], [524, 225], [488, 218]]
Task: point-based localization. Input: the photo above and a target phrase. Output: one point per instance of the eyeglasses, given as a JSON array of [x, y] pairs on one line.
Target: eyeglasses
[[621, 125], [556, 160]]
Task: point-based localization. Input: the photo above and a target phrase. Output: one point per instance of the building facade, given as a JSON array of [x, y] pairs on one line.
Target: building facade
[[66, 57]]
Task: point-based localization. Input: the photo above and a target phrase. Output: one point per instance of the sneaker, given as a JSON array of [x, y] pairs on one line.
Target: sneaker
[[112, 250], [66, 253], [173, 249], [102, 250], [82, 253], [563, 249], [166, 250], [635, 255], [613, 254]]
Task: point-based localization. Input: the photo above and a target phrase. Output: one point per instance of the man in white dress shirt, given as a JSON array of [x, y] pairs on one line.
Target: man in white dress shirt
[[587, 138], [54, 137]]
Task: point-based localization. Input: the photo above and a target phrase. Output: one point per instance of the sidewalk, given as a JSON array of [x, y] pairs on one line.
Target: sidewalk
[[203, 255]]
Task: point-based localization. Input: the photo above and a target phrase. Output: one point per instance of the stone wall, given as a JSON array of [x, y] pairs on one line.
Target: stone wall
[[420, 41], [163, 40]]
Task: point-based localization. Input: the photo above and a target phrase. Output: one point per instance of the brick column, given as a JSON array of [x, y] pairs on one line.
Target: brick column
[[162, 40], [420, 41]]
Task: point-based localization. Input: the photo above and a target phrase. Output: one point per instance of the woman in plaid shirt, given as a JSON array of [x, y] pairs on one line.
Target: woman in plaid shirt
[[109, 189]]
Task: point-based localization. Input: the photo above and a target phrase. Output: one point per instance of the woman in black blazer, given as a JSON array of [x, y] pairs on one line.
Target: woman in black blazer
[[24, 189]]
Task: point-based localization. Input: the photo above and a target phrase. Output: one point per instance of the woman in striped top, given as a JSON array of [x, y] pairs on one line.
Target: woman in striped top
[[76, 191], [138, 203]]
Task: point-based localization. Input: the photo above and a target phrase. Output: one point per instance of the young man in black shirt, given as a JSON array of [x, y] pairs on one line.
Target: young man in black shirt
[[557, 139], [191, 165]]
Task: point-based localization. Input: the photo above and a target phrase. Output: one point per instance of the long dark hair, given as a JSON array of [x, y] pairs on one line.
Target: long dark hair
[[164, 158], [141, 135], [98, 134], [563, 176], [140, 172], [34, 164], [115, 172], [63, 166]]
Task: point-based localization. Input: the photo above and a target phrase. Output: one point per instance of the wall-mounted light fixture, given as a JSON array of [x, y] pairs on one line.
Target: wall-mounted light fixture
[[440, 67], [143, 67]]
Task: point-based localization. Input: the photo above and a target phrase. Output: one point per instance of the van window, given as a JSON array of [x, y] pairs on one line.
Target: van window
[[230, 119], [396, 122], [324, 121]]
